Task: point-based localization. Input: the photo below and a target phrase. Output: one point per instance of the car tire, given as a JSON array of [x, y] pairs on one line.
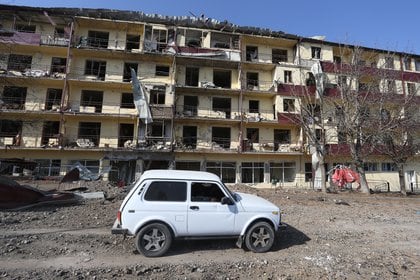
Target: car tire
[[260, 237], [153, 240]]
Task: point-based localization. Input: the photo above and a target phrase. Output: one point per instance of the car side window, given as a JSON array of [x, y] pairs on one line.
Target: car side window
[[206, 192], [166, 191]]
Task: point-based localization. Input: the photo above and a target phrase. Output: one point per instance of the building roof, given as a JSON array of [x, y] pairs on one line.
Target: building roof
[[66, 15]]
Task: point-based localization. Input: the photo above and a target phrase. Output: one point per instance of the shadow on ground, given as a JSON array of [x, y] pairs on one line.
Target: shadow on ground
[[286, 238]]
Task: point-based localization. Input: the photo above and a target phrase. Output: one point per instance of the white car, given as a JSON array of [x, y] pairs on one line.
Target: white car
[[168, 204]]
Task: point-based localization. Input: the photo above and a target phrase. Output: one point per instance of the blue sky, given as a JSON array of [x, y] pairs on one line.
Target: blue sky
[[391, 25]]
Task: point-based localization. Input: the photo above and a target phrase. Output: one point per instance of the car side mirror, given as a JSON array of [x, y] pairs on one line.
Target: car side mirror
[[227, 200]]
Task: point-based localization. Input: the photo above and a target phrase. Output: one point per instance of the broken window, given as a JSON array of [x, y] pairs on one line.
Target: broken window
[[96, 68], [391, 86], [91, 165], [59, 32], [389, 62], [190, 105], [254, 106], [308, 172], [157, 129], [225, 170], [188, 165], [50, 133], [283, 171], [407, 63], [25, 28], [288, 105], [127, 71], [310, 79], [252, 172], [251, 53], [222, 78], [279, 55], [58, 65], [53, 98], [191, 76], [411, 87], [342, 81], [417, 65], [288, 77], [98, 39], [193, 38], [223, 41], [19, 62], [92, 98], [223, 105], [316, 52], [252, 81], [370, 166], [90, 131], [221, 136], [156, 39], [14, 97], [337, 59], [10, 128], [127, 100], [281, 136], [157, 95], [133, 42], [126, 133], [47, 167], [162, 70], [189, 136], [253, 135]]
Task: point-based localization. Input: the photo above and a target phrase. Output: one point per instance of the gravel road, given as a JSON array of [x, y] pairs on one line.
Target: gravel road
[[330, 236]]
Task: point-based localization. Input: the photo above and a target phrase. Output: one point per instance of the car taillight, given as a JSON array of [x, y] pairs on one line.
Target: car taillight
[[119, 217]]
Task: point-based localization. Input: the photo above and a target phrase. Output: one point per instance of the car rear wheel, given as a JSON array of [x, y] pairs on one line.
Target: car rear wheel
[[260, 237], [153, 240]]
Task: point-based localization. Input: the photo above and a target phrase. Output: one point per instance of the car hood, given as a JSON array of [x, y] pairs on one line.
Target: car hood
[[255, 203]]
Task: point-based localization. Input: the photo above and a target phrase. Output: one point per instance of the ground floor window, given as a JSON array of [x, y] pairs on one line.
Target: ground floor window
[[92, 165], [48, 167], [308, 172], [187, 165], [225, 170], [252, 172], [282, 171]]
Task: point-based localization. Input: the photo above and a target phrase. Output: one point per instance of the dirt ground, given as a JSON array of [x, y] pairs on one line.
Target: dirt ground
[[330, 236]]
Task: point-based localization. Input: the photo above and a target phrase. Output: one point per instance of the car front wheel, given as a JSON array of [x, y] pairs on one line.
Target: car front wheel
[[260, 237], [153, 240]]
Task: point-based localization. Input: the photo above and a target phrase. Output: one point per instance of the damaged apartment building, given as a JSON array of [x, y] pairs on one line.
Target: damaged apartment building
[[220, 96]]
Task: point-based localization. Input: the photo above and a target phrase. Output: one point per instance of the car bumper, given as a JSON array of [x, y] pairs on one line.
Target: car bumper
[[117, 229]]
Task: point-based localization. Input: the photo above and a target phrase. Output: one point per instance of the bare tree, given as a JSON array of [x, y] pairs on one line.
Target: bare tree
[[370, 108], [399, 131]]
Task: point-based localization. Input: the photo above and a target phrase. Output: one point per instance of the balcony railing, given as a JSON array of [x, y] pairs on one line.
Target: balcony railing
[[35, 70], [220, 144]]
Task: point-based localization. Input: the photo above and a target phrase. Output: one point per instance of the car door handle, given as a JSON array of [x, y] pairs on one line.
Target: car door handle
[[194, 207]]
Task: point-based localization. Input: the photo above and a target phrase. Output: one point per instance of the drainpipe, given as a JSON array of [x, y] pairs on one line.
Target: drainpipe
[[241, 95], [64, 96]]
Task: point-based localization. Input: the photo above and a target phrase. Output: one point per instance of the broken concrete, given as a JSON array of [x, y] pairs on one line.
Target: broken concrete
[[14, 196]]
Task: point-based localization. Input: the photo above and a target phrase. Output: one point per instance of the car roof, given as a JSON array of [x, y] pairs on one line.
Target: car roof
[[179, 175]]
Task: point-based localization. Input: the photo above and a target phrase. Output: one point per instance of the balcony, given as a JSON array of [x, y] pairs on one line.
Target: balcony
[[188, 112], [226, 145]]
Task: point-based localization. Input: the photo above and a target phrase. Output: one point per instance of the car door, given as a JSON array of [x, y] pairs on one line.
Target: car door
[[207, 216]]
